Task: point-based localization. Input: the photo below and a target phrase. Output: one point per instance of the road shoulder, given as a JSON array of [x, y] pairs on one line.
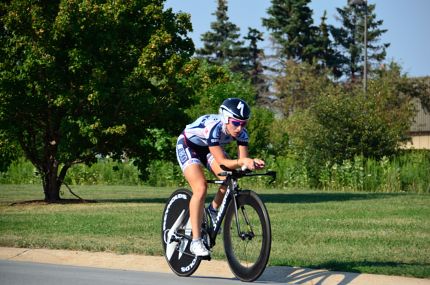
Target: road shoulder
[[214, 268]]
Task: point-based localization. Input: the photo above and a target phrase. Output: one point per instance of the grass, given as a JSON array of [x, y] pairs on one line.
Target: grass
[[384, 233]]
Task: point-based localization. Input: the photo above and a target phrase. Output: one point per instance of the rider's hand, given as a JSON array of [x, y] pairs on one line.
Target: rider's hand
[[258, 163], [252, 164]]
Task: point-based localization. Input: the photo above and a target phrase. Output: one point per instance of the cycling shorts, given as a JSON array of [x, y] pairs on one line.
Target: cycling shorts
[[188, 154]]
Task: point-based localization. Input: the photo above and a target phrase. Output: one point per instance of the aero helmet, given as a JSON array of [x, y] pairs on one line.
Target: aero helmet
[[234, 108]]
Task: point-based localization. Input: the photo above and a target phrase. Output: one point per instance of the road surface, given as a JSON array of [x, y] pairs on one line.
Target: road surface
[[30, 273]]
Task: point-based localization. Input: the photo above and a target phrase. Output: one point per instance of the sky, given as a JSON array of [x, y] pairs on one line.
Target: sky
[[407, 22]]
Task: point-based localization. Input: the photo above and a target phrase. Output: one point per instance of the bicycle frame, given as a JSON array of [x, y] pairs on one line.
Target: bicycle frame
[[231, 194], [232, 191], [242, 207]]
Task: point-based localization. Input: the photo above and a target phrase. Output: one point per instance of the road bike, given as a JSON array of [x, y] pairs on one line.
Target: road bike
[[246, 233]]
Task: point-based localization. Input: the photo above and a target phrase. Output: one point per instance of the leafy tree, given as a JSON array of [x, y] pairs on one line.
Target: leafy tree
[[338, 126], [300, 86], [260, 128], [222, 44], [9, 151], [292, 29], [349, 38], [80, 78], [414, 87], [406, 87], [212, 84], [420, 88]]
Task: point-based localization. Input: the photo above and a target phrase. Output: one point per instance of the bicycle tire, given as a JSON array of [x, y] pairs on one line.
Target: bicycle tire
[[177, 253], [247, 257]]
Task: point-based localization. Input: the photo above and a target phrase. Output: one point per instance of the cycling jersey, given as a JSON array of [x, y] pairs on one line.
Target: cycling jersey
[[194, 142], [208, 130]]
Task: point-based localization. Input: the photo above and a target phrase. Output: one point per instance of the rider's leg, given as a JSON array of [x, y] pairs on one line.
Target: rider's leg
[[196, 178], [222, 189]]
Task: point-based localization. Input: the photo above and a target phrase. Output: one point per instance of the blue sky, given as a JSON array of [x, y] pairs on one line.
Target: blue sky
[[407, 22]]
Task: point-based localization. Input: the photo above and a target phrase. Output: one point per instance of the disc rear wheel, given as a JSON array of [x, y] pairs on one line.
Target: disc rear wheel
[[174, 226]]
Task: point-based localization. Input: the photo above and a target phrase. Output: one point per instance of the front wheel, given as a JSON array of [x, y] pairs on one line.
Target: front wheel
[[247, 239], [176, 234]]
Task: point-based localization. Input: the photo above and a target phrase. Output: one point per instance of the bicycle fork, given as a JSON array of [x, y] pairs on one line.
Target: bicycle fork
[[243, 235], [231, 194]]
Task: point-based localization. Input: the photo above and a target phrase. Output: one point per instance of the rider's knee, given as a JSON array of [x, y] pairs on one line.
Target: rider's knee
[[200, 190]]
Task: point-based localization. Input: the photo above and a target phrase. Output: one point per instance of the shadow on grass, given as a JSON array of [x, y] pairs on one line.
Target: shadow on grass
[[321, 197], [292, 198], [135, 200], [87, 201], [155, 200], [287, 198]]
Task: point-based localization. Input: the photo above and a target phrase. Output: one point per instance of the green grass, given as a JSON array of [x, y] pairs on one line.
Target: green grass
[[384, 233]]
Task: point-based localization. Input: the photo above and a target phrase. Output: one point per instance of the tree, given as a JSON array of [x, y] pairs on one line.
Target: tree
[[222, 44], [326, 56], [301, 86], [339, 127], [420, 88], [292, 29], [81, 78], [212, 84], [252, 61], [9, 151], [349, 38]]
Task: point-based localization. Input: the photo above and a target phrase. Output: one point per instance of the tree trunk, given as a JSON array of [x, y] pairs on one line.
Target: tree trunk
[[51, 183], [52, 190]]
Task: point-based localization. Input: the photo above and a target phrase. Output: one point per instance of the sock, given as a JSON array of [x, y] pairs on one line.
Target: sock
[[211, 208]]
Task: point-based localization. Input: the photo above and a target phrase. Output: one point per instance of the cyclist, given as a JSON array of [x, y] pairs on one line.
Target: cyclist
[[201, 144]]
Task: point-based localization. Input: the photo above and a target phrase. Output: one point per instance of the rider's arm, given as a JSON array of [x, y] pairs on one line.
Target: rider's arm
[[242, 151], [245, 160], [220, 157], [250, 163]]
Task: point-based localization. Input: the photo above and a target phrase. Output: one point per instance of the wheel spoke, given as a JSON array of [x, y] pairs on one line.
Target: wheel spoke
[[247, 252]]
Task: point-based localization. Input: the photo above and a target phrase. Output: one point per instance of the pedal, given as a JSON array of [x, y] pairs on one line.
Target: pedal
[[208, 258], [174, 238]]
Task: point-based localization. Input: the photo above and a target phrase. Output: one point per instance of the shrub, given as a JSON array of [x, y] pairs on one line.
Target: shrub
[[165, 173], [20, 171], [409, 171], [340, 126]]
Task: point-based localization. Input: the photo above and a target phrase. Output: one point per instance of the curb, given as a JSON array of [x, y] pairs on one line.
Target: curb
[[214, 268]]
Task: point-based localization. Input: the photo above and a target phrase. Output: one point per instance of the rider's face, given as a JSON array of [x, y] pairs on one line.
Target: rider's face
[[234, 127]]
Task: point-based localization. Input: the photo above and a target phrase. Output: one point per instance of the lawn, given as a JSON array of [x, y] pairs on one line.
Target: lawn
[[361, 232]]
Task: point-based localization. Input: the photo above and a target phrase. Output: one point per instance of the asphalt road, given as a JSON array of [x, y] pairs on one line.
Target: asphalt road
[[49, 267], [28, 273]]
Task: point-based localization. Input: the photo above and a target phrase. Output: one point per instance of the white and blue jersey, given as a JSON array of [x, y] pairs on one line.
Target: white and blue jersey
[[208, 130]]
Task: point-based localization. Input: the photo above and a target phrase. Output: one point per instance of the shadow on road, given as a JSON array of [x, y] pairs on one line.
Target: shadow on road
[[279, 274]]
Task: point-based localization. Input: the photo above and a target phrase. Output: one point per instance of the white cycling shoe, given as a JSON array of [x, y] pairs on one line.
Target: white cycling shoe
[[198, 248]]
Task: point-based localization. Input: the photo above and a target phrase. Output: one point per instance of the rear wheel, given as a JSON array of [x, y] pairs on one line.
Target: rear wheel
[[247, 251], [176, 224]]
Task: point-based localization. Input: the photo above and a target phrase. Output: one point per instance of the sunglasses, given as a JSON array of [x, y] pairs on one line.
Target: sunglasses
[[238, 123]]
